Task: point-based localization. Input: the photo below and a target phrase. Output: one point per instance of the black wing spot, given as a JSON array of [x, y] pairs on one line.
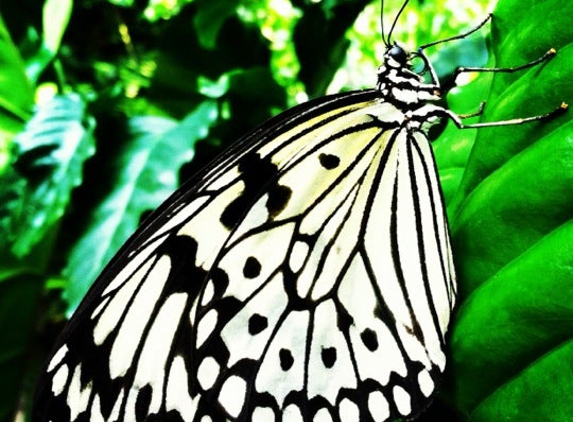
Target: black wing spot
[[278, 199], [182, 250], [257, 323], [220, 281], [286, 359], [328, 356], [252, 267], [370, 339], [255, 174], [143, 402], [329, 161], [172, 416], [259, 176], [157, 418]]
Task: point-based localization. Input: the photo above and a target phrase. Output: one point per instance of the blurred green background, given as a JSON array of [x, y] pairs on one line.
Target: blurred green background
[[106, 106]]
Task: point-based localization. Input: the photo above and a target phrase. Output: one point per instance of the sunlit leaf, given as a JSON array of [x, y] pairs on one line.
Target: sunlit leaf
[[16, 94], [51, 153], [55, 20]]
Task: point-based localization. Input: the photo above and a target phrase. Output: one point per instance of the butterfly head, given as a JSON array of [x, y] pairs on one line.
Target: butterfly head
[[397, 65], [402, 77], [397, 57]]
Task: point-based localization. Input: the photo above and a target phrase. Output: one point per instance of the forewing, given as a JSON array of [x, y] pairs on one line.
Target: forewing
[[305, 275]]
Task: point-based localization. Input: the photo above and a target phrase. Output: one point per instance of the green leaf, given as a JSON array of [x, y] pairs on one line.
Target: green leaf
[[536, 91], [56, 15], [55, 18], [527, 93], [182, 67], [122, 3], [540, 393], [16, 94], [515, 207], [210, 17], [253, 93], [512, 232], [527, 308], [148, 167], [452, 149], [320, 42], [51, 154]]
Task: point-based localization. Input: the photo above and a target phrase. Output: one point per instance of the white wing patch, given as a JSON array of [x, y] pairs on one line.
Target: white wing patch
[[156, 349], [259, 314], [110, 316], [177, 396], [96, 413], [57, 358], [330, 368], [206, 326], [403, 400], [131, 329], [232, 395], [287, 352], [378, 406], [78, 396], [208, 372], [256, 261], [59, 380], [372, 341], [426, 383], [263, 414], [349, 411]]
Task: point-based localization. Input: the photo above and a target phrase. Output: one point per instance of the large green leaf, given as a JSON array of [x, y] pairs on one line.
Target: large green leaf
[[525, 93], [512, 235], [147, 172], [515, 327]]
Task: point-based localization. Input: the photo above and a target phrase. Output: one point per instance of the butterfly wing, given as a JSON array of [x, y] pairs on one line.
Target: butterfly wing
[[304, 275]]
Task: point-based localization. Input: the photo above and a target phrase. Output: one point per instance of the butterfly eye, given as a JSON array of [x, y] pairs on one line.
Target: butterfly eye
[[398, 54]]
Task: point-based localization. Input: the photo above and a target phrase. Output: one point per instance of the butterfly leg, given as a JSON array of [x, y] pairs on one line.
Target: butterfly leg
[[457, 119], [475, 113], [548, 55]]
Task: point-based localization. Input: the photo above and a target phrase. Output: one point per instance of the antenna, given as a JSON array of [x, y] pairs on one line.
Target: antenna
[[382, 24], [396, 20]]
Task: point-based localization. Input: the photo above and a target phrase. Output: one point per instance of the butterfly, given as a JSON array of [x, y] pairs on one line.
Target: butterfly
[[304, 275]]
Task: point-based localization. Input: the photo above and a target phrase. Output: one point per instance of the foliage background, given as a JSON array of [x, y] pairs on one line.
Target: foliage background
[[106, 105]]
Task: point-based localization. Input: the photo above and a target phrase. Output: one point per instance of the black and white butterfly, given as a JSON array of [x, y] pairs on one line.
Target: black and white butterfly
[[304, 275]]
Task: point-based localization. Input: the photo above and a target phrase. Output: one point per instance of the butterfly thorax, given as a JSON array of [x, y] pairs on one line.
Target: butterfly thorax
[[404, 90]]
